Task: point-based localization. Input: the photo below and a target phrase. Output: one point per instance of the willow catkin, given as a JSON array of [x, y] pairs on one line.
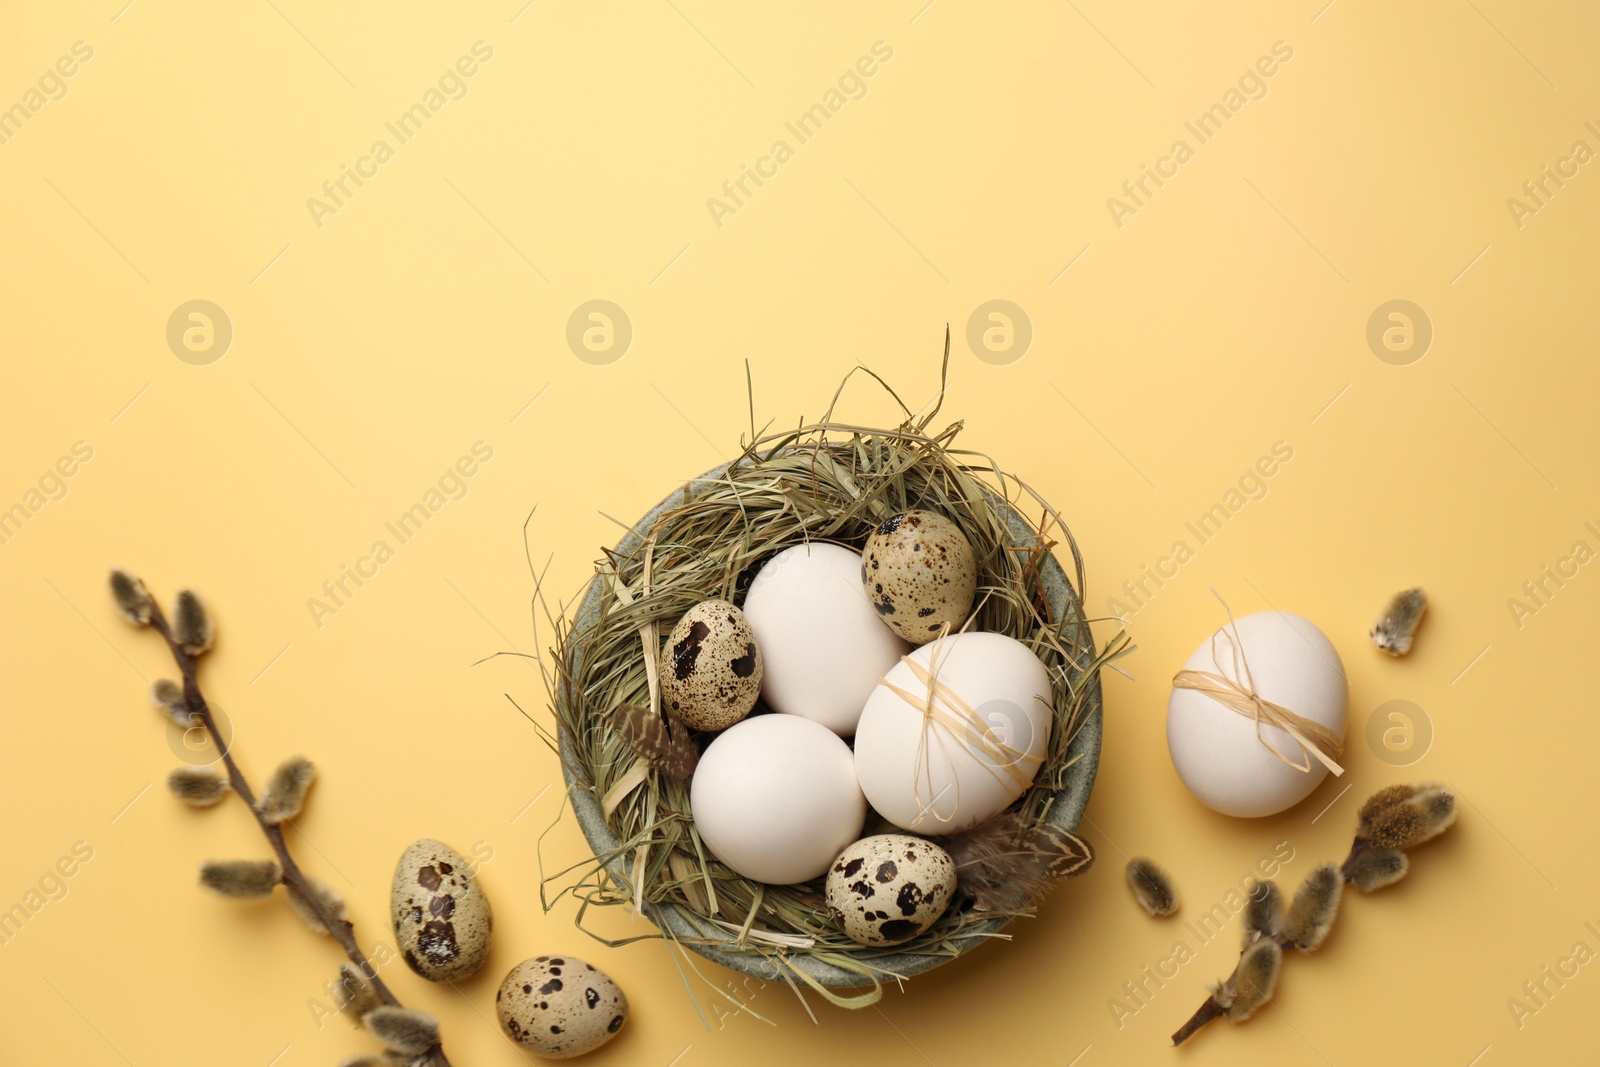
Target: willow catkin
[[198, 787], [1253, 981], [354, 994], [131, 597], [168, 696], [244, 879], [1263, 912], [191, 623], [1152, 887], [1382, 800], [285, 794], [404, 1030], [1314, 907], [1405, 823], [1377, 867], [1396, 628], [330, 900]]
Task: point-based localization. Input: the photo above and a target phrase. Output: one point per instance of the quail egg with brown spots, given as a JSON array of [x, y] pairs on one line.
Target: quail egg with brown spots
[[710, 669], [560, 1006], [888, 889], [441, 917], [920, 574]]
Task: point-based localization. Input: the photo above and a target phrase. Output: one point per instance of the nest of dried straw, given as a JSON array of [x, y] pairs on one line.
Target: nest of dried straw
[[827, 482]]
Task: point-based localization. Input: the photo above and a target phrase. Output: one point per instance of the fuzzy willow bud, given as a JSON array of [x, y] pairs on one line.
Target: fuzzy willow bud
[[1375, 868], [1314, 907], [285, 795], [132, 598], [1382, 800], [331, 902], [191, 625], [168, 696], [403, 1030], [245, 879], [1152, 887], [1263, 913], [354, 994], [1252, 982], [1428, 812], [198, 787]]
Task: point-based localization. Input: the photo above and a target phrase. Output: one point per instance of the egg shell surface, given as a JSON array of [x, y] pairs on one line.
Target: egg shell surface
[[823, 646], [560, 1006], [775, 797], [441, 916], [959, 774], [920, 575], [889, 888], [710, 667], [1215, 750]]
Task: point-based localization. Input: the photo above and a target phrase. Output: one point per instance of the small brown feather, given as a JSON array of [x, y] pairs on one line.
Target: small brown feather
[[663, 743], [1007, 863]]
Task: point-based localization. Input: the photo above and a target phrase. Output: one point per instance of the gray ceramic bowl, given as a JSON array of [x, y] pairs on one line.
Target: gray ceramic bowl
[[1066, 812]]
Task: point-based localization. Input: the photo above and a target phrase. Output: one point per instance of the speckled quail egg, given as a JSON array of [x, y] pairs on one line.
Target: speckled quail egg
[[890, 888], [710, 669], [441, 917], [920, 574], [560, 1006]]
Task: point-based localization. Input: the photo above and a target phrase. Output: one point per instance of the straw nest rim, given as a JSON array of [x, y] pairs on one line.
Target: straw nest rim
[[826, 481]]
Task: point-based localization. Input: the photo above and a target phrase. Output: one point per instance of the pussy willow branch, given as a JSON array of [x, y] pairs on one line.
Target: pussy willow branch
[[1210, 1011], [342, 930]]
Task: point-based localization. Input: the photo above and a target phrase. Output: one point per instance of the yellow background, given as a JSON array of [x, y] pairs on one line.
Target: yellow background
[[368, 354]]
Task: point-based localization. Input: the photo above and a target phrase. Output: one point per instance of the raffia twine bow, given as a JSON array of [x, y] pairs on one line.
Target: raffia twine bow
[[1239, 694], [946, 716]]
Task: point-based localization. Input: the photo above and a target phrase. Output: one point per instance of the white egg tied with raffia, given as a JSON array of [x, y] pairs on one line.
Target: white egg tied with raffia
[[1218, 752], [939, 766]]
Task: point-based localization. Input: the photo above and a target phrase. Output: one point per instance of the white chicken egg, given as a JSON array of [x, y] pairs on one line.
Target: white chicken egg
[[823, 646], [1216, 750], [979, 749], [775, 797]]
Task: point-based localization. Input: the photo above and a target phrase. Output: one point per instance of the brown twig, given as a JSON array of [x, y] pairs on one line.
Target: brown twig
[[294, 880], [1208, 1011]]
